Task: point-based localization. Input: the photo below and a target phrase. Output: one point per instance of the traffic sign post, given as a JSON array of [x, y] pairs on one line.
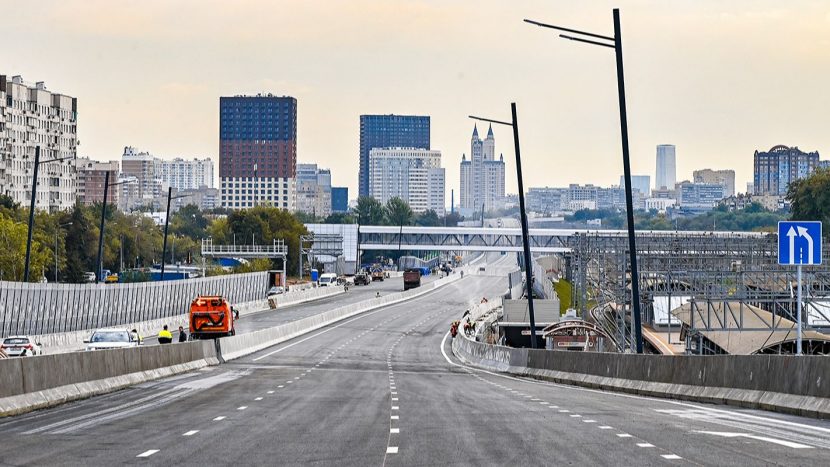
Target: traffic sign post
[[799, 244]]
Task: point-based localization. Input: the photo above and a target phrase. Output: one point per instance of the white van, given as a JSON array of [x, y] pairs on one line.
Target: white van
[[328, 279]]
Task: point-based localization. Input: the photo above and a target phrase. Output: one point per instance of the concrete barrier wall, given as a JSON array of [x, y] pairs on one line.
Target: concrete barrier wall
[[788, 384], [74, 341]]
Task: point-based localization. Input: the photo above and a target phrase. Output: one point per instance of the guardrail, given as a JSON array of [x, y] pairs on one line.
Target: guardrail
[[789, 384], [36, 309]]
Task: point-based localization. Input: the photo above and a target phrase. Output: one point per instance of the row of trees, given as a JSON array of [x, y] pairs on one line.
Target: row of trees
[[370, 211], [67, 241]]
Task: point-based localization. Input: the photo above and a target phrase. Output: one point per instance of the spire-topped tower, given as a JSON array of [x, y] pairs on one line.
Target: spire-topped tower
[[475, 131], [489, 146]]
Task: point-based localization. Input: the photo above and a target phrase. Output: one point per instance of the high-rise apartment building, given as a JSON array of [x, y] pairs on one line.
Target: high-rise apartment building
[[726, 178], [412, 174], [699, 196], [482, 176], [141, 182], [313, 190], [666, 175], [777, 168], [257, 151], [182, 174], [388, 131], [30, 117], [91, 178]]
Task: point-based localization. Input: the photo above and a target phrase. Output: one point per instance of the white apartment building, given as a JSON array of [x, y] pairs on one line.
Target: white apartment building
[[142, 166], [414, 175], [30, 117], [725, 178], [313, 190], [184, 174]]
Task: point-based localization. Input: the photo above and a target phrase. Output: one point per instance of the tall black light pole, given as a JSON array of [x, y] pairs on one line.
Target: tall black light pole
[[616, 44], [32, 209], [523, 215], [170, 197], [99, 262]]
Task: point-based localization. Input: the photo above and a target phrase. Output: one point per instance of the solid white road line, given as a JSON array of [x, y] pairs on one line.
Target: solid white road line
[[767, 439], [190, 433], [148, 453]]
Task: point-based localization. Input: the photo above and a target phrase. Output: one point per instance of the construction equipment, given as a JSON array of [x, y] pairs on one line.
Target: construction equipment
[[377, 272], [211, 317]]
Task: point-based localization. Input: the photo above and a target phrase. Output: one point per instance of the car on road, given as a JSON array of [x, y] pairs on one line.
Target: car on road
[[362, 278], [111, 338], [20, 346]]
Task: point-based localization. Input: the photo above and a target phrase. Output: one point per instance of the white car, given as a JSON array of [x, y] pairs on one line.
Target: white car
[[104, 339], [275, 290], [20, 346], [328, 279]]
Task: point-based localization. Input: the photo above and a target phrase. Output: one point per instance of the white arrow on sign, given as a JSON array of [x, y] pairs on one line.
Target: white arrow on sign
[[803, 232], [791, 234]]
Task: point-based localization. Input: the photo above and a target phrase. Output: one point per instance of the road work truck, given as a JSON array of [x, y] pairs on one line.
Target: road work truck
[[411, 278], [211, 317]]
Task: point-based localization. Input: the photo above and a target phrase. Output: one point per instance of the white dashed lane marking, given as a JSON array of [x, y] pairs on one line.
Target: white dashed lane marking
[[148, 453], [190, 433], [671, 456], [217, 419], [242, 407], [645, 445]]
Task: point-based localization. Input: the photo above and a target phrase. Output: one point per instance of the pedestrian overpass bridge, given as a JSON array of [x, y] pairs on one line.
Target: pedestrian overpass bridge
[[486, 239]]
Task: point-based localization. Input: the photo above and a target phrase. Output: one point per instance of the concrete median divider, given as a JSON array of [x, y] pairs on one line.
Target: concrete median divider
[[781, 383], [36, 382]]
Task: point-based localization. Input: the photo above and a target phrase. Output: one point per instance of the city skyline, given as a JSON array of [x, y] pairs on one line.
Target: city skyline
[[108, 55]]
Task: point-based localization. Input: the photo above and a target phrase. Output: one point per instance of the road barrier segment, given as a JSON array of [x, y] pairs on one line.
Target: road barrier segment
[[781, 383]]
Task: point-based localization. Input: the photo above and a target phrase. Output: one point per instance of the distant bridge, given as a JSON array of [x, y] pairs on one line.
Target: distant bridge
[[486, 239]]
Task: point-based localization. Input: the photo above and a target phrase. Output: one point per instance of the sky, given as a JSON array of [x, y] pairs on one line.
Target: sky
[[718, 79]]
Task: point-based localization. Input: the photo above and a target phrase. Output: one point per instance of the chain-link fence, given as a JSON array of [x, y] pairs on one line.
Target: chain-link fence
[[49, 308]]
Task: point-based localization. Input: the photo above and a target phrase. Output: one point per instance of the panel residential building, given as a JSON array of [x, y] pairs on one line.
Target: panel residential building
[[183, 174], [91, 179], [412, 174], [30, 117]]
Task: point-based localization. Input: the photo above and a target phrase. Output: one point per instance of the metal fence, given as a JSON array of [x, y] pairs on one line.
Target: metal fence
[[49, 308]]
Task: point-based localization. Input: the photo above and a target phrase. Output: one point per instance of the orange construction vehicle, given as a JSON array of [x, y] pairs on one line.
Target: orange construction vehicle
[[211, 317]]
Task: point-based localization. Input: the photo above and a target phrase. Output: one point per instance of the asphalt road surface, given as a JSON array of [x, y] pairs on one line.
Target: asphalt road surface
[[383, 389]]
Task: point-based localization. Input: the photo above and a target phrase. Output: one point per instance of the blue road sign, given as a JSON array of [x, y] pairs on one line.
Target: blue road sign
[[799, 243]]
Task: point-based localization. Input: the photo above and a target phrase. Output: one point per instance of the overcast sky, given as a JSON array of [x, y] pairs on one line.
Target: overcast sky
[[719, 79]]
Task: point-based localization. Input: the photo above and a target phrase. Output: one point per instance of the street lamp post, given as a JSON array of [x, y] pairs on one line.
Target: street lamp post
[[523, 215], [170, 197], [616, 44], [32, 209], [99, 262], [56, 247]]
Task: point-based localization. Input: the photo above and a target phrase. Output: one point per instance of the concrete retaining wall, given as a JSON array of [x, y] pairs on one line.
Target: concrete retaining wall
[[797, 385], [36, 382]]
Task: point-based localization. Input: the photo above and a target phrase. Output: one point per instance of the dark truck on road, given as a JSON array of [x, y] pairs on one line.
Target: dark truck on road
[[411, 278], [362, 278]]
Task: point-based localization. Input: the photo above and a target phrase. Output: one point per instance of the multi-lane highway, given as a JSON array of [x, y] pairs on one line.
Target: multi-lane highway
[[383, 388]]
